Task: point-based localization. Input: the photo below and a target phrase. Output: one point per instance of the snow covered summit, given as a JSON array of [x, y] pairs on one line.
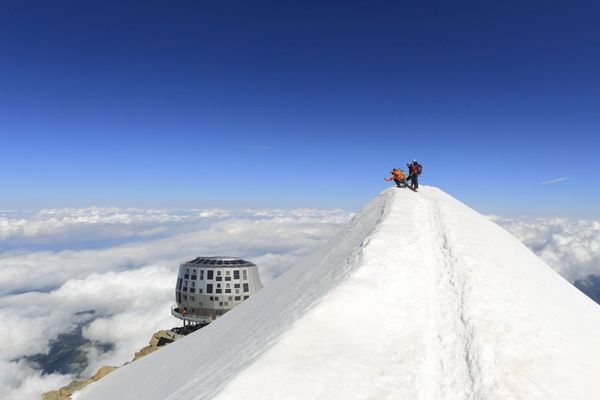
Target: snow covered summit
[[419, 297]]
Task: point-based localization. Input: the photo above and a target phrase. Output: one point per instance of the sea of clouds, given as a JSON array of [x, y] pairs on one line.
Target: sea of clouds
[[570, 246], [112, 271]]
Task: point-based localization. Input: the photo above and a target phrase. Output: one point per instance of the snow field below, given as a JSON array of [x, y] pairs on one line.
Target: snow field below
[[420, 297]]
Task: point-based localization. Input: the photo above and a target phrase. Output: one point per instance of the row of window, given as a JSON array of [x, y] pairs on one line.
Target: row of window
[[218, 289], [210, 274], [212, 298]]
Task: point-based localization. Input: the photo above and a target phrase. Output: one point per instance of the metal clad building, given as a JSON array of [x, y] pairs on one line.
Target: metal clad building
[[208, 287]]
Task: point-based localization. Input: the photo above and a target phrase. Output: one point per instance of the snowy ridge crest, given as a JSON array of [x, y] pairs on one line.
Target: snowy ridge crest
[[419, 297]]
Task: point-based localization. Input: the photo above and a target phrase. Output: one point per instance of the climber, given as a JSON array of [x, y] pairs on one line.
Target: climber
[[398, 176], [414, 170]]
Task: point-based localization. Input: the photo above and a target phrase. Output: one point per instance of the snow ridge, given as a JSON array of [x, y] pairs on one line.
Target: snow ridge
[[419, 297]]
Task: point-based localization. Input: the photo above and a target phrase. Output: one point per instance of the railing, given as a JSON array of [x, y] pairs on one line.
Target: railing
[[186, 317]]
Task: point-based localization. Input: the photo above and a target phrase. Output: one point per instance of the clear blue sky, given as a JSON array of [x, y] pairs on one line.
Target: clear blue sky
[[299, 104]]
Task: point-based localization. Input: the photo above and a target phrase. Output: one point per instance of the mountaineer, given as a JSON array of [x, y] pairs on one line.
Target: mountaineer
[[398, 176], [414, 170]]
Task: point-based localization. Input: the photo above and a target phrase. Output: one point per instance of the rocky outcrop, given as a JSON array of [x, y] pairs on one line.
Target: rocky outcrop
[[65, 392], [158, 340]]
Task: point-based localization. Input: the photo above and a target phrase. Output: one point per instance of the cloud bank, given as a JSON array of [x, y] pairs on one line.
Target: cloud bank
[[112, 271], [571, 247]]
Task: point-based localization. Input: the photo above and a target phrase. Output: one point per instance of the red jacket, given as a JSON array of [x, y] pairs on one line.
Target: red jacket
[[415, 169]]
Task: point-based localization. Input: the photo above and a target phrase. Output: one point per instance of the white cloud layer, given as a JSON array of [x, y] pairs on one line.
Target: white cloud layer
[[20, 381], [60, 229], [571, 247], [129, 285]]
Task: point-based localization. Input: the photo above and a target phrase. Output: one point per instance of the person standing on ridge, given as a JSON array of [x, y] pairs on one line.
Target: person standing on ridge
[[414, 170], [398, 176]]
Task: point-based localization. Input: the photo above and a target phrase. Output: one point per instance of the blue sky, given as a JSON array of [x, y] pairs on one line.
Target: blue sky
[[299, 104]]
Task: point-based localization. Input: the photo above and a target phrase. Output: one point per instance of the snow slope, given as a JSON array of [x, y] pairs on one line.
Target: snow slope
[[419, 297]]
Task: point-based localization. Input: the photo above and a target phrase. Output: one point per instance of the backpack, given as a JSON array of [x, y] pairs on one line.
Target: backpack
[[418, 169], [399, 174]]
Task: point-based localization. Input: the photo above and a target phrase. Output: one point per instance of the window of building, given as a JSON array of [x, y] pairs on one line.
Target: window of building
[[236, 274], [192, 290], [219, 291], [221, 303], [218, 285], [211, 298], [193, 284], [218, 272], [246, 289], [186, 276], [245, 297], [226, 303], [193, 311], [236, 285], [217, 298], [184, 297], [179, 297], [209, 288], [200, 291], [228, 285], [237, 291], [219, 278], [185, 289], [227, 290], [245, 275], [230, 298], [227, 278], [209, 274], [237, 298], [179, 284], [192, 298], [187, 270], [227, 273]]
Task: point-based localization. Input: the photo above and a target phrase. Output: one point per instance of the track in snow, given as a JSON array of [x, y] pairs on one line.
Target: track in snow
[[459, 371]]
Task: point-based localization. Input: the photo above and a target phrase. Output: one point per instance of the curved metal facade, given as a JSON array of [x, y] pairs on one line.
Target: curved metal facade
[[208, 287]]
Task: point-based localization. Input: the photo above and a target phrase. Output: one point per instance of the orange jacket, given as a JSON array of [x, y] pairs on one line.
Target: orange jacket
[[397, 175]]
